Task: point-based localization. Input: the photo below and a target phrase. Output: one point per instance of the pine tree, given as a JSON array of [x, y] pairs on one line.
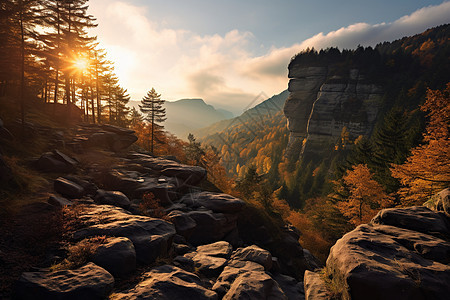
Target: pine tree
[[152, 106], [136, 117], [390, 146], [121, 108]]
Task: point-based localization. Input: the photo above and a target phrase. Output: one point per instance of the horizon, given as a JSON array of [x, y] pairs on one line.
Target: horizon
[[186, 52]]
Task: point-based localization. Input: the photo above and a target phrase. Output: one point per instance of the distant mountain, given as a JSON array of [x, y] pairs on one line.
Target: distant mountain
[[186, 115], [268, 107]]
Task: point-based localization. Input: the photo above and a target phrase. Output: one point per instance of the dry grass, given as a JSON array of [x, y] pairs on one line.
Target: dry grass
[[334, 287], [152, 207], [80, 253]]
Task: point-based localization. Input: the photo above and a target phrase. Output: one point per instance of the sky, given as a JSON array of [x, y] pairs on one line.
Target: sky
[[229, 52]]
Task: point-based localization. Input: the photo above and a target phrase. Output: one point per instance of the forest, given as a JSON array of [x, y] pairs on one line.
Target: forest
[[49, 64], [317, 192]]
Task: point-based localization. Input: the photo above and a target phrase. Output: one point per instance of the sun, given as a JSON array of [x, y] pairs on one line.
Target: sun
[[80, 63]]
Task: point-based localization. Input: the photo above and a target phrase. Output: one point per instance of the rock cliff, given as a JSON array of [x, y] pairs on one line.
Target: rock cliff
[[321, 104]]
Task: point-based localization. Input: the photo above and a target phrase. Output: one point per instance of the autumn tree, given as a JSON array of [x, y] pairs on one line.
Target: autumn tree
[[152, 106], [427, 170], [366, 196], [194, 151]]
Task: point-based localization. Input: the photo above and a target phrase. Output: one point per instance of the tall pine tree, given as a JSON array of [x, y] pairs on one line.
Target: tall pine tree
[[152, 106]]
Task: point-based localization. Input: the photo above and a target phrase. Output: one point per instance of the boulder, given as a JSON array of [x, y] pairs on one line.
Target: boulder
[[216, 202], [210, 266], [231, 272], [59, 201], [254, 285], [117, 256], [89, 188], [87, 282], [211, 227], [68, 188], [115, 198], [56, 162], [210, 259], [291, 288], [151, 237], [168, 283], [315, 288], [387, 262], [255, 254], [184, 224]]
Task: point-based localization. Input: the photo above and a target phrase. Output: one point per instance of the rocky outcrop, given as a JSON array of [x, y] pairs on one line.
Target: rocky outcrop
[[151, 237], [87, 282], [403, 253], [320, 105], [167, 283], [151, 209], [109, 137]]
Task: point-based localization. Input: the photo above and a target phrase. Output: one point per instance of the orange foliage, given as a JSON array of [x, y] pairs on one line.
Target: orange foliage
[[366, 196], [427, 170]]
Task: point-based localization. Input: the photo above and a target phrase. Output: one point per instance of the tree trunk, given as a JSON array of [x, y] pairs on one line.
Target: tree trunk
[[22, 67]]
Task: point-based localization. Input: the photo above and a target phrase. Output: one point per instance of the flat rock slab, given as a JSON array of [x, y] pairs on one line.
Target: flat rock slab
[[217, 249], [115, 198], [168, 283], [210, 266], [217, 202], [58, 201], [386, 262], [68, 188], [151, 237], [190, 175], [417, 218], [87, 282]]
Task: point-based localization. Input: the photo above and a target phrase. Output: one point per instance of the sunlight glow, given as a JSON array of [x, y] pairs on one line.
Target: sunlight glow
[[81, 64]]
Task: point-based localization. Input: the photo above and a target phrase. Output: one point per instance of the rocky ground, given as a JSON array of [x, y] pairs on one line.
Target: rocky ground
[[129, 225], [143, 227]]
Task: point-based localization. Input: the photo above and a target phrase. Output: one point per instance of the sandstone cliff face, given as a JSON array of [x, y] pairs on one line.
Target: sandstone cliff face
[[320, 105]]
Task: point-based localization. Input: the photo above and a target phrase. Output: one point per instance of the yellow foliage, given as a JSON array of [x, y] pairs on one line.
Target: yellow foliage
[[427, 170], [366, 196]]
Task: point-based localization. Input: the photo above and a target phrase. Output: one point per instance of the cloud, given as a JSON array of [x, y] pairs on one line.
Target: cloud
[[222, 69]]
